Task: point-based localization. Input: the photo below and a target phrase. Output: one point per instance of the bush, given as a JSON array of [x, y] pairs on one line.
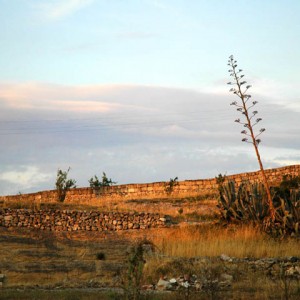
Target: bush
[[63, 184], [169, 187], [97, 185], [101, 256]]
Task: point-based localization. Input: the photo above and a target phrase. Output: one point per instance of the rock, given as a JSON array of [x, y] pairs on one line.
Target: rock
[[293, 259], [225, 257], [147, 287], [163, 285], [7, 218], [185, 284], [198, 286], [292, 271], [226, 277]]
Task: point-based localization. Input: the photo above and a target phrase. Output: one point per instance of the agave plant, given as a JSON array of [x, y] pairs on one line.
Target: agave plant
[[288, 214], [249, 202]]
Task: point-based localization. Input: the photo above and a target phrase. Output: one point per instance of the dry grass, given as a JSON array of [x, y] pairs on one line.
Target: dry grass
[[211, 240], [204, 206]]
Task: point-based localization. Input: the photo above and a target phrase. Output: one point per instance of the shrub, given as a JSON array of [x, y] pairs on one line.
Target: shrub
[[96, 184], [63, 184], [169, 188], [101, 256]]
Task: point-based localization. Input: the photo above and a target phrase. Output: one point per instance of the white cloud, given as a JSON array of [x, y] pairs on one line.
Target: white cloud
[[58, 9], [25, 177]]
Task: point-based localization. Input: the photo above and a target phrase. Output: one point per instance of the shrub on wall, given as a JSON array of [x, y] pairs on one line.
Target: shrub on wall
[[169, 188], [63, 184]]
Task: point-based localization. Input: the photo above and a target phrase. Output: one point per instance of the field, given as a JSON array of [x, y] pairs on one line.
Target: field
[[92, 265]]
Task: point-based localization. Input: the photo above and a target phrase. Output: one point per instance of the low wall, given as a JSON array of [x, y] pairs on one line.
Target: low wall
[[156, 190], [65, 220]]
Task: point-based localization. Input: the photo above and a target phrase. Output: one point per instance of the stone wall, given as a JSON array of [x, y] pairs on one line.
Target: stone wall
[[71, 220], [156, 190]]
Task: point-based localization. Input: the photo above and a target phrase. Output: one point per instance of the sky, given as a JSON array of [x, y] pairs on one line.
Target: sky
[[138, 89]]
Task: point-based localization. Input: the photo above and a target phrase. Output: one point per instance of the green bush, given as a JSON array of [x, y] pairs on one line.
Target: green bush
[[169, 187], [63, 184], [95, 183]]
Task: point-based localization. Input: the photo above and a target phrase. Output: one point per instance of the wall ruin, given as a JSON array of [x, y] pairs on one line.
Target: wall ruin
[[156, 190]]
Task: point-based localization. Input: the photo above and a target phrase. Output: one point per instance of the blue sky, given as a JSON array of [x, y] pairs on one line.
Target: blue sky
[[138, 88]]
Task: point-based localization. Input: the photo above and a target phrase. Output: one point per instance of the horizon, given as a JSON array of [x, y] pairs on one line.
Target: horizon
[[138, 89]]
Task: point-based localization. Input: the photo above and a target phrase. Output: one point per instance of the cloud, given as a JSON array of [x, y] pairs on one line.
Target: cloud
[[23, 178], [134, 133], [35, 96], [57, 9]]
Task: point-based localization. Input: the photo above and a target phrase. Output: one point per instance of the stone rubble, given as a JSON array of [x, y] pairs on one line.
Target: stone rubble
[[74, 220], [289, 267]]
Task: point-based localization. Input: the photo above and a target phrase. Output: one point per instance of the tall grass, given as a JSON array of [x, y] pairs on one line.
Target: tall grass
[[212, 240]]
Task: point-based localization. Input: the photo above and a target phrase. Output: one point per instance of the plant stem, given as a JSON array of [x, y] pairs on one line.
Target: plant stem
[[241, 95]]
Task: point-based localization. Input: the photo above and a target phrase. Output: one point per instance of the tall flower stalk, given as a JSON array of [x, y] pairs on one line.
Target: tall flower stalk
[[246, 107]]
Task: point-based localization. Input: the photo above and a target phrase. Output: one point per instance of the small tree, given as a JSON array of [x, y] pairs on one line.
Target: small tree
[[96, 184], [63, 184], [245, 107], [169, 187]]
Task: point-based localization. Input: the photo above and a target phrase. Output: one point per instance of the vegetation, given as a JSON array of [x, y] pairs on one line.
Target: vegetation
[[63, 184], [134, 273], [213, 240], [245, 107], [101, 256], [97, 185], [171, 184], [249, 202]]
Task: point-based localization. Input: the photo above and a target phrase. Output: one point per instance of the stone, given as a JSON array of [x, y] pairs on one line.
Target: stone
[[226, 277], [163, 285], [198, 286], [7, 218], [148, 287], [185, 284], [292, 271], [173, 281], [225, 257]]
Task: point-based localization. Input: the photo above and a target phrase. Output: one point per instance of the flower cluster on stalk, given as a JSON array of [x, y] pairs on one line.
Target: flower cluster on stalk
[[245, 106]]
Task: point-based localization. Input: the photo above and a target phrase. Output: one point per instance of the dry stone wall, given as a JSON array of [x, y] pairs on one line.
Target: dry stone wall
[[156, 190], [71, 220]]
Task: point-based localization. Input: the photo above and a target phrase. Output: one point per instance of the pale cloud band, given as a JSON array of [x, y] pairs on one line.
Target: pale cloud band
[[57, 9], [135, 133]]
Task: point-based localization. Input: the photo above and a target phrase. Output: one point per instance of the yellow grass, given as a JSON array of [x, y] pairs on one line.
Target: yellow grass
[[212, 240]]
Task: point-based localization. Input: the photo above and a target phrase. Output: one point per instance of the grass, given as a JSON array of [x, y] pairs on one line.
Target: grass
[[213, 240], [81, 263]]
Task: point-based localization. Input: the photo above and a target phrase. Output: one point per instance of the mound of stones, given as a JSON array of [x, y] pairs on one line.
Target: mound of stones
[[74, 220], [288, 267]]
